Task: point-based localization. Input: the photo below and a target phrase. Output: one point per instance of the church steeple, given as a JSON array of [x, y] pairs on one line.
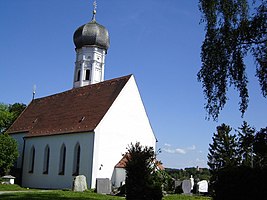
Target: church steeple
[[92, 42]]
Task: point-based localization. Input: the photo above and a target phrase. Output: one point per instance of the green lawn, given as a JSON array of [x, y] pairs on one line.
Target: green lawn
[[25, 194], [68, 195], [11, 187]]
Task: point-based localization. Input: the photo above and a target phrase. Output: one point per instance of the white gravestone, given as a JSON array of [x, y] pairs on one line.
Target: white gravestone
[[79, 183], [186, 186], [203, 186]]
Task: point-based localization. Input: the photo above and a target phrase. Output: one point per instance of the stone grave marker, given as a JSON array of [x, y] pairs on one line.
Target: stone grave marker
[[186, 186], [79, 183], [203, 186], [103, 186]]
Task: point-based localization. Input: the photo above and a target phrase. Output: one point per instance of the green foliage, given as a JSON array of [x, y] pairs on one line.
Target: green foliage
[[245, 144], [240, 183], [8, 114], [233, 29], [142, 180], [182, 174], [223, 150], [238, 166], [260, 149], [8, 153]]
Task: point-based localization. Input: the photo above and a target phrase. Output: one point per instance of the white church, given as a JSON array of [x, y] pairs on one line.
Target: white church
[[85, 130]]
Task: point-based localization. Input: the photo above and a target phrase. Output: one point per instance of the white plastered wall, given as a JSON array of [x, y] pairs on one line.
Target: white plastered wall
[[19, 138], [125, 122], [53, 180]]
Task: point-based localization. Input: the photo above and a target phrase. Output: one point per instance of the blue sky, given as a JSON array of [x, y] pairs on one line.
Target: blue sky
[[156, 40]]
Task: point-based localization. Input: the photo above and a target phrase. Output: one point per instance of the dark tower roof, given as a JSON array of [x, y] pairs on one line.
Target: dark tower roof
[[91, 34]]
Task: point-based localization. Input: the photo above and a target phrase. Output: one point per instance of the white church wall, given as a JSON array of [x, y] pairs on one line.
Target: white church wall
[[126, 122], [118, 177], [53, 180], [19, 138]]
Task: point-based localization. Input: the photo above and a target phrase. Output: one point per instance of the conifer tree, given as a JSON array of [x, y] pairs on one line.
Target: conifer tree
[[260, 148], [223, 150], [245, 144]]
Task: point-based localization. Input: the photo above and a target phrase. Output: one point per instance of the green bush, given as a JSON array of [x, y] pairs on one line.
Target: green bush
[[240, 183]]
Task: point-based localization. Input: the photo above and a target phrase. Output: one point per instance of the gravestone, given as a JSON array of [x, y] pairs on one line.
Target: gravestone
[[186, 186], [103, 186], [79, 183], [203, 186]]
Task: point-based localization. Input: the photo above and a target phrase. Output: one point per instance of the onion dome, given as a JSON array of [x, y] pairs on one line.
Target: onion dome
[[91, 34]]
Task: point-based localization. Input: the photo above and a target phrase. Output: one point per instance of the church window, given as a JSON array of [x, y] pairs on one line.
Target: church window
[[46, 160], [76, 160], [32, 157], [87, 74], [78, 75], [62, 160]]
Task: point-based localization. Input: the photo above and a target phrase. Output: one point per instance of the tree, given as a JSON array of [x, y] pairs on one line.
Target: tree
[[260, 148], [5, 118], [141, 182], [234, 29], [8, 153], [8, 114], [223, 150], [245, 144]]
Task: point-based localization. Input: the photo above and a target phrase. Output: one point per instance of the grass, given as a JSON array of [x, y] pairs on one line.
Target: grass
[[8, 187], [26, 194], [185, 197]]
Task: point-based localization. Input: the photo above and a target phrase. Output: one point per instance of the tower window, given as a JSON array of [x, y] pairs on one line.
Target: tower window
[[87, 74], [76, 160], [46, 160], [78, 75], [62, 160], [32, 157]]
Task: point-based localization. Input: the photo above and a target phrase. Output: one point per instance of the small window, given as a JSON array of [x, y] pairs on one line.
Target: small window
[[46, 160], [62, 160], [78, 75], [76, 160], [87, 75], [32, 158]]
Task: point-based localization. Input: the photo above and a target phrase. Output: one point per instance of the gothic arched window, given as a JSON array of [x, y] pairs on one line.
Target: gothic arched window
[[46, 160], [62, 160], [76, 160], [32, 158]]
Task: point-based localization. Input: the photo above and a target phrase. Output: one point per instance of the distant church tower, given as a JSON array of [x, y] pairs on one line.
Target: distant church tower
[[92, 42]]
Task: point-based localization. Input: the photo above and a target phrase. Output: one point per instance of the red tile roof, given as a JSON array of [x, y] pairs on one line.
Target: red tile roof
[[122, 163], [76, 110]]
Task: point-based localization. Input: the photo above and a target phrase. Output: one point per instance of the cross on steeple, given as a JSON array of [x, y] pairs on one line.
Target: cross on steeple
[[94, 11]]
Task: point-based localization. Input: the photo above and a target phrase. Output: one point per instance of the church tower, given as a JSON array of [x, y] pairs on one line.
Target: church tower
[[92, 42]]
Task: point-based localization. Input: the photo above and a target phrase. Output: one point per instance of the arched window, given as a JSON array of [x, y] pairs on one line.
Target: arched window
[[62, 160], [78, 75], [87, 74], [46, 160], [76, 160], [32, 158]]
